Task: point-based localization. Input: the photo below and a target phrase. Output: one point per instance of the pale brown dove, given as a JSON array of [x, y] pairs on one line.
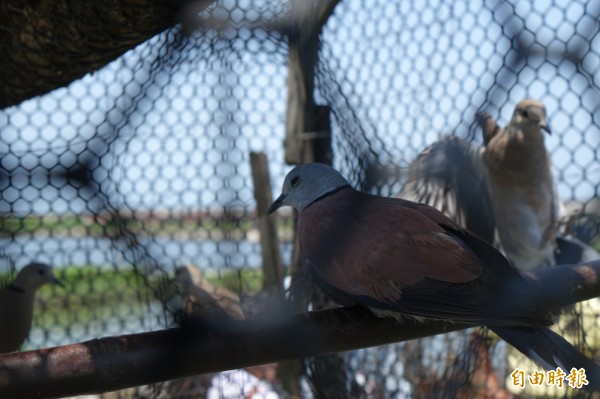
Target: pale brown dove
[[16, 304], [523, 192], [507, 184], [205, 300]]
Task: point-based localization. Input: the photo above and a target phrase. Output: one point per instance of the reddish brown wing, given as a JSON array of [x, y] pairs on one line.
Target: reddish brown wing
[[396, 255]]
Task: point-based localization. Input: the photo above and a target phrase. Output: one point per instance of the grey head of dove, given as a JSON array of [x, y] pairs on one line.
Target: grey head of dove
[[16, 304]]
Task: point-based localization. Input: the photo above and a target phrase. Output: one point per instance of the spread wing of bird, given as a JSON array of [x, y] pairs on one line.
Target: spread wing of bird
[[450, 176], [395, 255]]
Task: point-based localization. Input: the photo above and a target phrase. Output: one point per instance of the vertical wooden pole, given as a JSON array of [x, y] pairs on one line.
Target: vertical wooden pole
[[288, 370], [308, 139], [308, 131], [273, 273]]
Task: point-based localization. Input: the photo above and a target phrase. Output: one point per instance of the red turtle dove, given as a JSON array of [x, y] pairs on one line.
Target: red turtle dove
[[402, 259]]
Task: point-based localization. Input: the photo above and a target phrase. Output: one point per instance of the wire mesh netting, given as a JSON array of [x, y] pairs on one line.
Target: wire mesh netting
[[143, 166]]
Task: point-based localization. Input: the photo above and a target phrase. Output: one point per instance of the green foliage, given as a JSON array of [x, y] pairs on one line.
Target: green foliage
[[93, 295], [238, 280], [81, 225]]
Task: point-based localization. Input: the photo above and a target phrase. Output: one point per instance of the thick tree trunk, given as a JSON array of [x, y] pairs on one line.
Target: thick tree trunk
[[47, 44]]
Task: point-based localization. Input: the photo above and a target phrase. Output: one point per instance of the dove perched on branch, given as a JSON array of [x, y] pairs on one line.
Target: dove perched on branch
[[398, 258], [523, 192], [205, 300], [16, 304]]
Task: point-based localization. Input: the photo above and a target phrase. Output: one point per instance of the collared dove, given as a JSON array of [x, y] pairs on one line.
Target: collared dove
[[16, 304], [398, 258], [205, 300], [523, 192]]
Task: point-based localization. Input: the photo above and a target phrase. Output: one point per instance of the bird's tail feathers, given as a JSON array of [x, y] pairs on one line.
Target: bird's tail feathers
[[550, 350]]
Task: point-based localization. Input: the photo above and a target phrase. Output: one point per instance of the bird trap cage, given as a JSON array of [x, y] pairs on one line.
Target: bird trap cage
[[128, 169]]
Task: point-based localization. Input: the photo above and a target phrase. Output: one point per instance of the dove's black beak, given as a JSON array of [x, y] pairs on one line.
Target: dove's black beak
[[57, 282], [544, 126], [276, 204]]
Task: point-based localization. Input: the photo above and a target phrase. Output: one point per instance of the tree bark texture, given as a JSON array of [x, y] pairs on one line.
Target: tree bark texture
[[48, 44]]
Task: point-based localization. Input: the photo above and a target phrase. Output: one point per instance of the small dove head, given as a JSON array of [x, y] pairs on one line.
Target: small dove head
[[187, 275], [34, 275], [305, 184], [530, 113]]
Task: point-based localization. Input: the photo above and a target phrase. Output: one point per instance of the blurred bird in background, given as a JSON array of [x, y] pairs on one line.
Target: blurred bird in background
[[16, 304], [206, 302], [450, 176], [503, 189], [522, 190], [202, 303]]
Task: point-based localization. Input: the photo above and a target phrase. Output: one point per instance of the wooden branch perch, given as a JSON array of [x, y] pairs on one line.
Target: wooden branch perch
[[130, 360]]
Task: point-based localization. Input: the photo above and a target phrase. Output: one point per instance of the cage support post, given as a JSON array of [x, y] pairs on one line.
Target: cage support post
[[272, 279], [273, 273], [308, 129]]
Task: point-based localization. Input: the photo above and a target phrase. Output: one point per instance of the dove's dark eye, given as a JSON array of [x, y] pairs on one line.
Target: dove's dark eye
[[41, 272], [525, 113], [294, 181]]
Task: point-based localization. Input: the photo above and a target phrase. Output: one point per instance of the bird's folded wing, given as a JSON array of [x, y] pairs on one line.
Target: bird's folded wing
[[396, 255]]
